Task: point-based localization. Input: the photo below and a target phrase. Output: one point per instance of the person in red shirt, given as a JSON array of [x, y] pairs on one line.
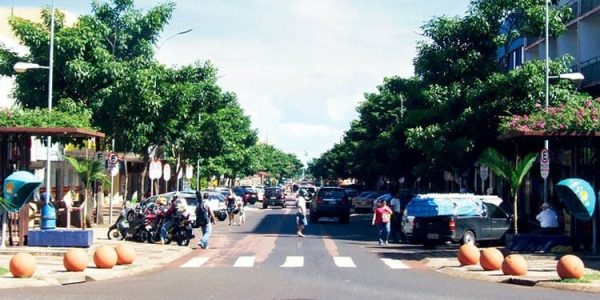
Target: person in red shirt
[[381, 219]]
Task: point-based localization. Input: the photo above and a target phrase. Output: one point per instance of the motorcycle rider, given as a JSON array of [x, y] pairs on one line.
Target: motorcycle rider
[[170, 216]]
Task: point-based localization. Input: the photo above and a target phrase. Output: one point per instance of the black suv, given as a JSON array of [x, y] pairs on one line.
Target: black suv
[[330, 202], [274, 196]]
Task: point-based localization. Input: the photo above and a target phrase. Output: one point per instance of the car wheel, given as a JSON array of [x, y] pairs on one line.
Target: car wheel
[[468, 238], [252, 202], [265, 205]]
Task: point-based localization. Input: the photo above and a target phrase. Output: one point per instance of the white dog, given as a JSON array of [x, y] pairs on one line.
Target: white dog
[[241, 215]]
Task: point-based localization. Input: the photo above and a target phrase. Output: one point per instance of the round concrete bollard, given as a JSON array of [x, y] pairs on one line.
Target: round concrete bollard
[[468, 255], [75, 260], [570, 266], [125, 254], [491, 259], [514, 264], [22, 265], [105, 257]]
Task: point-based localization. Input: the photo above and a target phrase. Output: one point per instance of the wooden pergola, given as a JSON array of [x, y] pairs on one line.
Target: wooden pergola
[[15, 154]]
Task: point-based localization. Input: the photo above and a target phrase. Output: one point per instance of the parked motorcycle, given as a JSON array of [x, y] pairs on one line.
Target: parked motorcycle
[[129, 228], [180, 231]]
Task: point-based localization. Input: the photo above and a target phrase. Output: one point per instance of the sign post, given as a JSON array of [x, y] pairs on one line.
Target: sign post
[[154, 172], [484, 173], [545, 170], [113, 168], [166, 176]]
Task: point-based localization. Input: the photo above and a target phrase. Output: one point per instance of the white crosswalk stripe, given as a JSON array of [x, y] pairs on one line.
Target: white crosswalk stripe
[[344, 262], [244, 262], [195, 262], [293, 262], [395, 263]]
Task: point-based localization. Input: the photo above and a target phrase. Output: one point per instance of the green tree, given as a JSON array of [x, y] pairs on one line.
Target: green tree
[[514, 175], [89, 171]]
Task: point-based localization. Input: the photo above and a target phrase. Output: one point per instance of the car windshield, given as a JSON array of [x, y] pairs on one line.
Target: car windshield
[[191, 201]]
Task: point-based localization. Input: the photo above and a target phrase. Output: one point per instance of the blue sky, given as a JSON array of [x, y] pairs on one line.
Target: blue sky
[[299, 67]]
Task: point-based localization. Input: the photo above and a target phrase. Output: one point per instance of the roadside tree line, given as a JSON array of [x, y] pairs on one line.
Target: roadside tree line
[[460, 100], [106, 77]]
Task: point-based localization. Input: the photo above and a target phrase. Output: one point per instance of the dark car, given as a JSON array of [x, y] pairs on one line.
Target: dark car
[[491, 225], [330, 202], [274, 196], [247, 194]]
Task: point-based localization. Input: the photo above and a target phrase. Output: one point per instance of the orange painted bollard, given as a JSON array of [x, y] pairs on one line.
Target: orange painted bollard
[[105, 257], [22, 265], [75, 260], [491, 259], [514, 264], [570, 266], [468, 255], [125, 254]]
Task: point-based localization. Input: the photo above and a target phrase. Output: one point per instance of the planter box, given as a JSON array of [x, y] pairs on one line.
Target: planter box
[[540, 243], [60, 238]]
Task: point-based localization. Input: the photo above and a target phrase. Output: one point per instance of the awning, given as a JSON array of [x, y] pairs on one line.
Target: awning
[[52, 131]]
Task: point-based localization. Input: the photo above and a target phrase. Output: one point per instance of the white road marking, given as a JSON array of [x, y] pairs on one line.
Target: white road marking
[[195, 262], [395, 263], [344, 262], [293, 262], [244, 262]]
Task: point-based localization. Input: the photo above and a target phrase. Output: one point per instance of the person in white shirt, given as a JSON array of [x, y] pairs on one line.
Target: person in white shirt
[[301, 213], [548, 219], [396, 233]]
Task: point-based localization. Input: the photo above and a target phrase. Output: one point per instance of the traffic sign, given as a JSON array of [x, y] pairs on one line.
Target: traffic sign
[[113, 158], [544, 163], [167, 172], [99, 156], [189, 172], [484, 172], [155, 170], [113, 170]]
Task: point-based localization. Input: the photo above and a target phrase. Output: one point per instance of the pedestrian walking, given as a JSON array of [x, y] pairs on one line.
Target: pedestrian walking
[[301, 221], [205, 218], [396, 225], [381, 219], [230, 204]]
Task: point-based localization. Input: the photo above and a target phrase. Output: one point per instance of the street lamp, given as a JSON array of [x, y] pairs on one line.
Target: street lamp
[[569, 76], [48, 210]]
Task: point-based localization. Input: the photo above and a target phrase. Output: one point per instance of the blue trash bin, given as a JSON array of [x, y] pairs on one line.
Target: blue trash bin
[[48, 216]]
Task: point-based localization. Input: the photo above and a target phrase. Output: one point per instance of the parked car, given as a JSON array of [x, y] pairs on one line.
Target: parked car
[[274, 196], [351, 192], [330, 202], [365, 200], [260, 192], [247, 194], [490, 225], [216, 202]]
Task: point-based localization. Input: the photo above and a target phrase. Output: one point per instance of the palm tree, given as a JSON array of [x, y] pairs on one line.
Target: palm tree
[[89, 170], [503, 168]]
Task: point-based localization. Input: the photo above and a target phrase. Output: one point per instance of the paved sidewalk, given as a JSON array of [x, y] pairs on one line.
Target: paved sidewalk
[[541, 272], [50, 269]]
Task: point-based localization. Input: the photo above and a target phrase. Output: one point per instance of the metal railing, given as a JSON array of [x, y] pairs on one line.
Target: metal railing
[[588, 5], [591, 70]]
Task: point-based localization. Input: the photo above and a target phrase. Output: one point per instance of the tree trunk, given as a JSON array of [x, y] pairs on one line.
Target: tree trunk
[[515, 214], [125, 191]]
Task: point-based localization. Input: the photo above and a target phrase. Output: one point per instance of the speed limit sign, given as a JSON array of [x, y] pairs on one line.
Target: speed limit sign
[[544, 163]]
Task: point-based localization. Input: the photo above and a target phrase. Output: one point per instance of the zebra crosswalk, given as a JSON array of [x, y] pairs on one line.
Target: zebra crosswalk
[[293, 262]]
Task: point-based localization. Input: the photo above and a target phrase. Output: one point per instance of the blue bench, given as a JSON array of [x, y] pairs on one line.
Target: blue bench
[[60, 238], [536, 242]]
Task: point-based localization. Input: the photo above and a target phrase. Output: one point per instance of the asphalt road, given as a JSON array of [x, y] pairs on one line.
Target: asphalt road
[[264, 259]]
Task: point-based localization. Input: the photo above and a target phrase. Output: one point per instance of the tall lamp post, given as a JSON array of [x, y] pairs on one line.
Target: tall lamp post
[[48, 213], [569, 76]]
